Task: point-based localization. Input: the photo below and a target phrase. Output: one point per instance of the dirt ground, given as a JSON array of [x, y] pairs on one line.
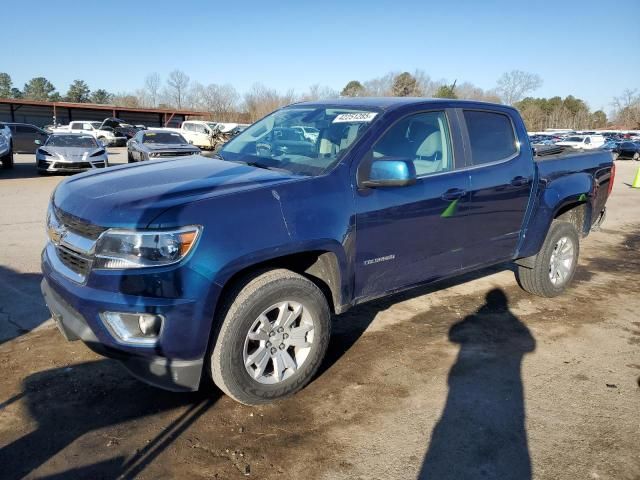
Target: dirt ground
[[468, 379]]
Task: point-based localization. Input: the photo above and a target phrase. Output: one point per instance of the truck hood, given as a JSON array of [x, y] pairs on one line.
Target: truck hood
[[131, 196]]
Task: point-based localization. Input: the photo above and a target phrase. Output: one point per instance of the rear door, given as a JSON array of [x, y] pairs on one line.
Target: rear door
[[410, 234], [501, 173]]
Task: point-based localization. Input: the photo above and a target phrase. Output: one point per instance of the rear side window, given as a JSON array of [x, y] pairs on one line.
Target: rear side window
[[491, 135]]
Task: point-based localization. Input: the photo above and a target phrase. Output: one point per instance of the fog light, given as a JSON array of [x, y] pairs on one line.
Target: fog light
[[150, 325], [133, 328]]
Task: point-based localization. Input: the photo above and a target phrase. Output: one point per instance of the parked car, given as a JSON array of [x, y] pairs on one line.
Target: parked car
[[120, 127], [107, 135], [150, 145], [609, 145], [70, 152], [6, 146], [583, 142], [200, 133], [24, 136], [232, 267], [629, 150]]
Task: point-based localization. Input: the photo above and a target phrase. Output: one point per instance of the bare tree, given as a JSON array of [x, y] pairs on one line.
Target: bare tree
[[627, 109], [260, 101], [381, 86], [318, 92], [177, 84], [220, 100], [513, 86], [152, 85]]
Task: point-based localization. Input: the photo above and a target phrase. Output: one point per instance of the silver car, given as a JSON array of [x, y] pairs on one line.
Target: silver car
[[70, 152]]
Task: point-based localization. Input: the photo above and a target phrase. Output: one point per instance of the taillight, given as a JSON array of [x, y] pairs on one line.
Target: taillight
[[612, 177]]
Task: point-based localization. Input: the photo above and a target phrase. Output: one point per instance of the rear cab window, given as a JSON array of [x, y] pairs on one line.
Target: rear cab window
[[492, 136]]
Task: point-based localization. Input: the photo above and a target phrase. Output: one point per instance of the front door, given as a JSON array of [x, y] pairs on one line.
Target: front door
[[410, 234]]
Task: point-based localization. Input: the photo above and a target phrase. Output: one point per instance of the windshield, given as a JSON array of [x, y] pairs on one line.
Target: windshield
[[82, 141], [212, 125], [573, 139], [279, 142], [163, 137]]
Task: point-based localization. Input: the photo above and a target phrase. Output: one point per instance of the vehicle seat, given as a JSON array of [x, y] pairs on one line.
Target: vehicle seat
[[429, 155]]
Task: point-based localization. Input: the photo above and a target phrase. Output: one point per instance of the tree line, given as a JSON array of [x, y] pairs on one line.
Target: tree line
[[225, 103]]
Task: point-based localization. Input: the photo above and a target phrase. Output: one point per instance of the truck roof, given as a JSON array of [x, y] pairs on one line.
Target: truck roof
[[390, 103]]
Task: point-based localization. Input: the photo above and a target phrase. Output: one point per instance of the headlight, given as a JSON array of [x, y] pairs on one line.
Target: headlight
[[137, 249]]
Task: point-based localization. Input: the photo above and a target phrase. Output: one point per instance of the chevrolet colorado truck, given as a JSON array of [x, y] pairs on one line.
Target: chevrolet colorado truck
[[230, 268]]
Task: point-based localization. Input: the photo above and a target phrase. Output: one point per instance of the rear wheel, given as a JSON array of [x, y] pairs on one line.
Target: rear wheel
[[554, 266], [273, 337]]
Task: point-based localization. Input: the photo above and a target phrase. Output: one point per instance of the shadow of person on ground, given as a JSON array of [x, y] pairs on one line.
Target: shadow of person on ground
[[70, 402], [22, 307], [481, 433]]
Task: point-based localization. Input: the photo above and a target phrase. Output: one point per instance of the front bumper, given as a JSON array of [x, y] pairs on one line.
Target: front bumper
[[46, 165], [169, 374]]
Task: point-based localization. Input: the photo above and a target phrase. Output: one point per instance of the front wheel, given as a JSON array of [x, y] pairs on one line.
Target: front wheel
[[274, 335], [7, 160], [554, 266]]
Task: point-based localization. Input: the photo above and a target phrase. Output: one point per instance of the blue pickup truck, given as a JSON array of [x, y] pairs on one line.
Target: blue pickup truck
[[230, 268]]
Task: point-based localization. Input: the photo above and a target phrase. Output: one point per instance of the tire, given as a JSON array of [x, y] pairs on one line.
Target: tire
[[252, 300], [538, 280], [7, 160], [636, 156]]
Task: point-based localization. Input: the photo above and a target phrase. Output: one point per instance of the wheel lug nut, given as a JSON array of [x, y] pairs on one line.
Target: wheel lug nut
[[282, 346], [274, 350], [285, 336], [280, 330], [268, 344], [272, 333]]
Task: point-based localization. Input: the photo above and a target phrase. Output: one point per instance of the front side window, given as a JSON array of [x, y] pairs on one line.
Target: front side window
[[423, 139], [76, 126], [277, 141], [491, 136]]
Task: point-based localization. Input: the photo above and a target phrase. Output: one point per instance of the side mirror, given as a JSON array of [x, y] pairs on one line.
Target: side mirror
[[390, 172], [37, 142]]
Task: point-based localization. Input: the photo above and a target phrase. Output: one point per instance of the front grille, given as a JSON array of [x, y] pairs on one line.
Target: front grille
[[73, 261], [78, 225], [170, 154]]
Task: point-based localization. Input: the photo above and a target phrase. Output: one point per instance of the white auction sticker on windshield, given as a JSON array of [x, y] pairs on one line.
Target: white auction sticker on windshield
[[355, 117]]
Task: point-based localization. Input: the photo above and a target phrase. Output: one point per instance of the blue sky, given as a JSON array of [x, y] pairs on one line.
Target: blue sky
[[590, 49]]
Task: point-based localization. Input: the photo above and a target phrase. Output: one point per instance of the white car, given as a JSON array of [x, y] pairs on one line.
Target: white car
[[308, 133], [197, 132], [6, 146], [583, 142], [88, 127]]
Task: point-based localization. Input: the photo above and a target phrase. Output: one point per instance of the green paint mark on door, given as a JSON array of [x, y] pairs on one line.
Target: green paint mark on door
[[450, 210]]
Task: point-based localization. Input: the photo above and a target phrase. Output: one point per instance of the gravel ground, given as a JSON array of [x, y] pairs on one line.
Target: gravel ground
[[472, 378]]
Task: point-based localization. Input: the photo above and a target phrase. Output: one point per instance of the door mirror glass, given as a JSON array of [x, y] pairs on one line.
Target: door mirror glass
[[390, 172]]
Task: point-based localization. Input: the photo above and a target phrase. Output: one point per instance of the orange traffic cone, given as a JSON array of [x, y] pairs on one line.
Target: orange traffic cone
[[636, 181]]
